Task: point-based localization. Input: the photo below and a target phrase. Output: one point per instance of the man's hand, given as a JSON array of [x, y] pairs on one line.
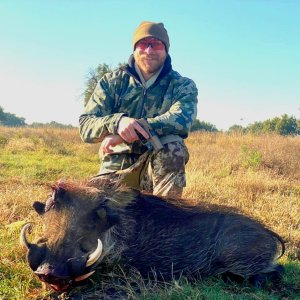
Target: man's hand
[[110, 141], [127, 130]]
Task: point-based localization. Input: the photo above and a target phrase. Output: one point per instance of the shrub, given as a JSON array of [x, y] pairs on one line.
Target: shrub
[[251, 158]]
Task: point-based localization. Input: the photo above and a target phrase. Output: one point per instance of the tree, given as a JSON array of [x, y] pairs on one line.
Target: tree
[[8, 119], [203, 126], [236, 129], [270, 125], [93, 77], [287, 125], [256, 127]]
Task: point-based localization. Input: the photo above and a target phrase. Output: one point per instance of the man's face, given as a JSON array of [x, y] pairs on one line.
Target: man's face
[[149, 54]]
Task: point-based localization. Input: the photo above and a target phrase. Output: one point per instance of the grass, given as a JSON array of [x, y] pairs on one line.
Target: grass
[[260, 175]]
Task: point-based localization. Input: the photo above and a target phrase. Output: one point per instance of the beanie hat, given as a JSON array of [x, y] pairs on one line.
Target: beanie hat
[[151, 29]]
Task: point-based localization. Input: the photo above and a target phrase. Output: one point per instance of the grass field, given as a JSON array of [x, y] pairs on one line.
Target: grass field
[[260, 175]]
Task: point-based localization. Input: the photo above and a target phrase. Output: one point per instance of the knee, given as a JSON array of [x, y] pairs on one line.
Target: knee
[[174, 156]]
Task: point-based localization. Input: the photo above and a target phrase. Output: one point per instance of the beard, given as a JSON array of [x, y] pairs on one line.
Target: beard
[[149, 63]]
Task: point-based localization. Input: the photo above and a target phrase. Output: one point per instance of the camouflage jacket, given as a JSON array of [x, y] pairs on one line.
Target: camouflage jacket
[[169, 105]]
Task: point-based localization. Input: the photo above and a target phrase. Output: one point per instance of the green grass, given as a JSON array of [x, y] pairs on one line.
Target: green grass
[[251, 158], [41, 166]]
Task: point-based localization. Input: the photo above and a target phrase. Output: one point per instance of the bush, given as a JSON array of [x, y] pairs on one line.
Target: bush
[[251, 158], [203, 126]]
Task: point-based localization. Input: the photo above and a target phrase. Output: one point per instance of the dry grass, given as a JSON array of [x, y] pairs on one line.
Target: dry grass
[[260, 175]]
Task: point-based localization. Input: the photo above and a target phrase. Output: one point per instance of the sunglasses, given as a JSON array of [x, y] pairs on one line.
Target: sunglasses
[[155, 45]]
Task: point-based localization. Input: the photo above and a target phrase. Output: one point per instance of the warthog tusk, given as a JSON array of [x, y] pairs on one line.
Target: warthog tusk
[[23, 238], [85, 276], [93, 257]]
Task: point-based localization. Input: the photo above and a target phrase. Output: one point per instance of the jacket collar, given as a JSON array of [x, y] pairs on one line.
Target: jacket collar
[[129, 68]]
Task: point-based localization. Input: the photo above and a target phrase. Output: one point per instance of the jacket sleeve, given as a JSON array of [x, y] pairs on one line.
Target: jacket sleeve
[[98, 119], [179, 118]]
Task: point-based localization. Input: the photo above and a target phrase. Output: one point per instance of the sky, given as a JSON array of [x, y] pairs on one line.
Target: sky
[[244, 56]]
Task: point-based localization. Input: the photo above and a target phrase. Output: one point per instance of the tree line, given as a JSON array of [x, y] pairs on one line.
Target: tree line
[[284, 125], [11, 120]]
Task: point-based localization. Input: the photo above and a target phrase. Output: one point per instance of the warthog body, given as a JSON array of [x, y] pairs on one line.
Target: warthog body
[[146, 232]]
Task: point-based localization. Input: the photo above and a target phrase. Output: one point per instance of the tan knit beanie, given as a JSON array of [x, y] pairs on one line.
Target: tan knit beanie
[[156, 30]]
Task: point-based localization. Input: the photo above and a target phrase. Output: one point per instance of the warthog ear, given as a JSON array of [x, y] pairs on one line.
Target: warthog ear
[[39, 207], [58, 190]]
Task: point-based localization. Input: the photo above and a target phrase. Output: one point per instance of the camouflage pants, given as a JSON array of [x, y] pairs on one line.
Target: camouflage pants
[[162, 173]]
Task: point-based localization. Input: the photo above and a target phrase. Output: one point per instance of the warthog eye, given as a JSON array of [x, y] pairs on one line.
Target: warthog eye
[[84, 248], [86, 245]]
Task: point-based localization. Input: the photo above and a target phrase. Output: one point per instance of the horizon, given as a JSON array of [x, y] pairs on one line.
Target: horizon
[[58, 124], [244, 56]]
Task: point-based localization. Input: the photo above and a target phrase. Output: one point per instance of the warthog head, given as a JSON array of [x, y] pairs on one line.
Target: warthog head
[[75, 220]]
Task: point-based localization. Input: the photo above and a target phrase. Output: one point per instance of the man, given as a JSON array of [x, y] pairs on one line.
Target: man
[[147, 87]]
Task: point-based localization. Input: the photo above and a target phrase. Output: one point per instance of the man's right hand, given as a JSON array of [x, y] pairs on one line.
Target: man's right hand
[[127, 130]]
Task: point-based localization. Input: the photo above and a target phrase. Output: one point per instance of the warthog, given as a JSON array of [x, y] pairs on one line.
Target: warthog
[[85, 225]]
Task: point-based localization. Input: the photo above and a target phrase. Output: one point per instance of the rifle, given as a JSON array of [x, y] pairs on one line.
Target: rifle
[[153, 142]]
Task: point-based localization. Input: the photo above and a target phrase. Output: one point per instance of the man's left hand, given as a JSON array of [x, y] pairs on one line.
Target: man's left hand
[[111, 141]]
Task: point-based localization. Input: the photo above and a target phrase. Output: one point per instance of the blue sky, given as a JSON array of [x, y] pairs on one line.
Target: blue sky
[[243, 55]]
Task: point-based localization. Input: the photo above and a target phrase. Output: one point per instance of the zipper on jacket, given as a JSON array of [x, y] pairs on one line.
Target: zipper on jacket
[[143, 101]]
